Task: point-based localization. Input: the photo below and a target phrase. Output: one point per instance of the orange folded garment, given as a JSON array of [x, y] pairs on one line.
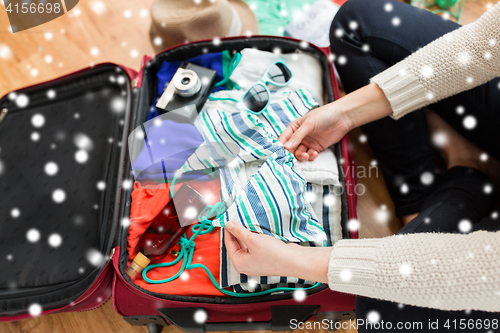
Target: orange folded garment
[[146, 204]]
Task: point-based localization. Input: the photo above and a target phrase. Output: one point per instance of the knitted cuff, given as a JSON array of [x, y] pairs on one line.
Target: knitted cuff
[[352, 266], [403, 90]]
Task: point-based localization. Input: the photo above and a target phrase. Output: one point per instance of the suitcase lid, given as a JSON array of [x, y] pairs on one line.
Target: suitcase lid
[[62, 144]]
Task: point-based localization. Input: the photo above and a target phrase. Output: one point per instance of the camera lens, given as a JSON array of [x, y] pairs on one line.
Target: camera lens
[[185, 80]]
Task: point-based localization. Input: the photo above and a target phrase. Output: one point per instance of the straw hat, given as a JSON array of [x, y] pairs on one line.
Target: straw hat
[[181, 21]]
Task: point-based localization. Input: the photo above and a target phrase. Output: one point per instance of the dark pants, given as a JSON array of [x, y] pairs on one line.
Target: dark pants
[[403, 149]]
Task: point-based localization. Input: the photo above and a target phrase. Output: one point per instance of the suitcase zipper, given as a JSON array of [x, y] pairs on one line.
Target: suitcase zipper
[[3, 114]]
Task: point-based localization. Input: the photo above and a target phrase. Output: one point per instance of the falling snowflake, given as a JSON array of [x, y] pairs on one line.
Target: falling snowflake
[[440, 139], [127, 184], [35, 310], [304, 44], [51, 168], [427, 71], [373, 316], [427, 178], [33, 235], [353, 225], [373, 162], [492, 42], [310, 196], [339, 33], [464, 226], [9, 257], [144, 12], [353, 25], [363, 138], [134, 53], [98, 7], [94, 257], [127, 14], [200, 316], [342, 60], [184, 276], [464, 58], [118, 105], [190, 213], [51, 94], [329, 200], [404, 188], [83, 141], [365, 47], [388, 7], [125, 222], [382, 214], [5, 52], [405, 269], [94, 51], [488, 189], [48, 35], [81, 156], [483, 157], [460, 109], [216, 41], [58, 196], [433, 261], [427, 220], [331, 57], [101, 185], [15, 213], [277, 50], [401, 306], [22, 101], [158, 41], [396, 21], [469, 80], [55, 240], [470, 122], [345, 275], [300, 295], [35, 136], [446, 16], [487, 55], [38, 120]]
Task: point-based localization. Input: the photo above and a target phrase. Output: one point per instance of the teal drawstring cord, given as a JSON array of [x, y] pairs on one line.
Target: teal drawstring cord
[[187, 249], [232, 66]]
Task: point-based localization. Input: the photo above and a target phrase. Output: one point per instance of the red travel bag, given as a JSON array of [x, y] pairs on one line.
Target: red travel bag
[[65, 178]]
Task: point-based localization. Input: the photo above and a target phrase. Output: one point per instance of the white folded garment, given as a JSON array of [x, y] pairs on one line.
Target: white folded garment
[[323, 170], [306, 71]]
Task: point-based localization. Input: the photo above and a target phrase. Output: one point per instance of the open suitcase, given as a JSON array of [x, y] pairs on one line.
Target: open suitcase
[[46, 221]]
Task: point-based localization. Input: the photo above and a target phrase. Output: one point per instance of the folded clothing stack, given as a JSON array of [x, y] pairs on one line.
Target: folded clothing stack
[[306, 210]]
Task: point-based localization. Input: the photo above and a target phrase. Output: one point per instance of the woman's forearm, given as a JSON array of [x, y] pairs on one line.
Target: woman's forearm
[[364, 105], [309, 263]]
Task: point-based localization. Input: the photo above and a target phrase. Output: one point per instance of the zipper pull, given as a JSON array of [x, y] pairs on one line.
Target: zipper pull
[[112, 253], [134, 83], [3, 114]]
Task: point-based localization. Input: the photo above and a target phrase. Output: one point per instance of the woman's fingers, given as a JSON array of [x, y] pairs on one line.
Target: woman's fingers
[[298, 135], [301, 153], [238, 231], [232, 244], [313, 153]]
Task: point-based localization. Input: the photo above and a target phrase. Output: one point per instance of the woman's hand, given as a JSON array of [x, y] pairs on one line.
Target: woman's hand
[[263, 255], [306, 137], [317, 130]]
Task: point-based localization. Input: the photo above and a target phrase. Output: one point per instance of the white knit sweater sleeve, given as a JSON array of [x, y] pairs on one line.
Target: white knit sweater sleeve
[[443, 271], [456, 62]]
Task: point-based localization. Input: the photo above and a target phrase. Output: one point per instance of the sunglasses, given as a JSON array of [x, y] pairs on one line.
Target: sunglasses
[[257, 98]]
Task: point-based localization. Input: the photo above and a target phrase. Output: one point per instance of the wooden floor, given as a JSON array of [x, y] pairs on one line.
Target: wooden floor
[[117, 31]]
